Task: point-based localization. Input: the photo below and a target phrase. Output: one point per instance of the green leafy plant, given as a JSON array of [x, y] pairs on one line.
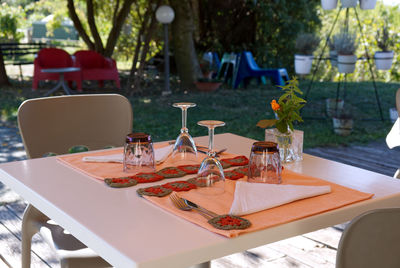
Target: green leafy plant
[[306, 43], [287, 108], [383, 39], [345, 42]]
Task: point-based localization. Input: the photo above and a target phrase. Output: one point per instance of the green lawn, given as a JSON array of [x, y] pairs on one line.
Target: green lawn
[[241, 109]]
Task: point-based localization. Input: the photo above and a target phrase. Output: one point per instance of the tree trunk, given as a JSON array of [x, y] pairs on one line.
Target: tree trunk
[[184, 51], [3, 73], [98, 44], [78, 25], [118, 19], [117, 26]]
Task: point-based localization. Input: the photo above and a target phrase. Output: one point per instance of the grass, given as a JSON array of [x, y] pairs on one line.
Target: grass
[[241, 109]]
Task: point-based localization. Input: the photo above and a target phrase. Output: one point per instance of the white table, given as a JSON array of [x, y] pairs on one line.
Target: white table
[[129, 231], [61, 80]]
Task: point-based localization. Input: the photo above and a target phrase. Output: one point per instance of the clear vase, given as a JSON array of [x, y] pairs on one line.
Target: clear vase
[[290, 144]]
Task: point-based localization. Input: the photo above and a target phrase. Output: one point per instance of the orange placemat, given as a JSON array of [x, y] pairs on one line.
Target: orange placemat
[[111, 170], [338, 197]]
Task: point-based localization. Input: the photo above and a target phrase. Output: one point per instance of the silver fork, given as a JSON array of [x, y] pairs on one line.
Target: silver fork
[[180, 203]]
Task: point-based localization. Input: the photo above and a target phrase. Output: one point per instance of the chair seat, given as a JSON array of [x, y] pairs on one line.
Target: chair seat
[[67, 246]]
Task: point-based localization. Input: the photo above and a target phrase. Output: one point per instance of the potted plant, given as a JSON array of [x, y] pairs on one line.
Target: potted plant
[[384, 58], [343, 121], [306, 43], [209, 81], [332, 53], [348, 3], [367, 4], [333, 105], [287, 111], [329, 4], [346, 45]]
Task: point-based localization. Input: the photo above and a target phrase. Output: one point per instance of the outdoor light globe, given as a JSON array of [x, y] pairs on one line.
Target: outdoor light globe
[[165, 14]]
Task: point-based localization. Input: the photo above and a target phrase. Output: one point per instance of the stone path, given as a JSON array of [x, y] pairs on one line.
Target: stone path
[[316, 249]]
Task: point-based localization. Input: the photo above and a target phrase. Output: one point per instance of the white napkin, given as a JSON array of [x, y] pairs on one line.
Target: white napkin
[[160, 154], [393, 138], [253, 197]]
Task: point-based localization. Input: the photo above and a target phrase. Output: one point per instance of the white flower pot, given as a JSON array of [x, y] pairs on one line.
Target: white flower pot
[[333, 106], [347, 63], [348, 3], [333, 58], [367, 4], [383, 60], [303, 64], [329, 4], [342, 126]]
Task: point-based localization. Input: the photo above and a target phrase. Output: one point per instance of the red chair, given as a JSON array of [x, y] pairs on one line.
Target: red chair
[[95, 66], [53, 58]]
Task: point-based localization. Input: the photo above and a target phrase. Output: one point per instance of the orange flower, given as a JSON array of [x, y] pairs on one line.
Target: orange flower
[[275, 106]]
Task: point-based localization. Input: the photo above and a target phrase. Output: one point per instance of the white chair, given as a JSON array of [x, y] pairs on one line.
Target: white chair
[[55, 124], [371, 240], [393, 137]]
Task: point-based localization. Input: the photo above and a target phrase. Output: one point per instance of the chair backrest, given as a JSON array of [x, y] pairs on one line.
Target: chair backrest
[[55, 124], [250, 60], [89, 59], [54, 58], [371, 240]]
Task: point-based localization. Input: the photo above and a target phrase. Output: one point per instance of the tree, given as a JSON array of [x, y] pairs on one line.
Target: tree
[[183, 44], [120, 11], [147, 28], [9, 22]]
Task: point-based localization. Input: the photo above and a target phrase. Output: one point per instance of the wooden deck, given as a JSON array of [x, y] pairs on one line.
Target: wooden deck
[[316, 249]]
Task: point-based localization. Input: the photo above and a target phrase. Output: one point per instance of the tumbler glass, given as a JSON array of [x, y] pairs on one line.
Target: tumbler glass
[[265, 163], [138, 153]]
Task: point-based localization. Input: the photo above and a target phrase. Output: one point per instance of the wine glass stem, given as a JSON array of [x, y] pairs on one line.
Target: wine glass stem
[[210, 141], [184, 119]]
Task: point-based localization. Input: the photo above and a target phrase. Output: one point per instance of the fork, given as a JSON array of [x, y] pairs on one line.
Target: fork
[[180, 203]]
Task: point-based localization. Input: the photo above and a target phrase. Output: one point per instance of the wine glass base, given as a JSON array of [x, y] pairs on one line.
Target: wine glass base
[[215, 188]]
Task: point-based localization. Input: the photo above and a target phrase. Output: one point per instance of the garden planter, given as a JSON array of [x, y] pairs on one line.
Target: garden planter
[[333, 106], [329, 4], [208, 86], [290, 144], [333, 57], [342, 126], [347, 63], [383, 60], [303, 63], [367, 4], [348, 3]]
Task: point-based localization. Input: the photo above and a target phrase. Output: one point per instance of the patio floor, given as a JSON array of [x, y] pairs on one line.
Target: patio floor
[[316, 249]]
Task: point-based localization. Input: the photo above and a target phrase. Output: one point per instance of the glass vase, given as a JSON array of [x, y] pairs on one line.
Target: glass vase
[[290, 144]]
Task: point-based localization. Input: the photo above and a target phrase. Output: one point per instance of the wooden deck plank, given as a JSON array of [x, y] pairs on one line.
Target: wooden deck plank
[[11, 218], [10, 250]]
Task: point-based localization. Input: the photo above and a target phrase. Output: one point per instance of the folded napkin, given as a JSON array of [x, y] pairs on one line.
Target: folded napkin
[[393, 138], [253, 197], [159, 153]]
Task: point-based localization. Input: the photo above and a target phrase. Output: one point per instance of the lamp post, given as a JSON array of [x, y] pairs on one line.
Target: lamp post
[[165, 15]]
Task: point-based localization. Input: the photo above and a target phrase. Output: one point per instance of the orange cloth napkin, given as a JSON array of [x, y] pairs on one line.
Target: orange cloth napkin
[[112, 170], [338, 197]]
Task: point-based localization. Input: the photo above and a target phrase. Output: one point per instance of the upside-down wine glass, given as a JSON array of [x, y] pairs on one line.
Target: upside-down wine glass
[[210, 177], [184, 149]]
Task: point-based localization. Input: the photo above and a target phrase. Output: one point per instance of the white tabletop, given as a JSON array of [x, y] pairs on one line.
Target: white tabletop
[[129, 231], [61, 70]]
